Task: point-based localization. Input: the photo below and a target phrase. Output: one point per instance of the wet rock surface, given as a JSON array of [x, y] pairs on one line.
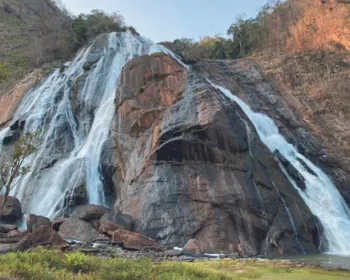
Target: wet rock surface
[[188, 164]]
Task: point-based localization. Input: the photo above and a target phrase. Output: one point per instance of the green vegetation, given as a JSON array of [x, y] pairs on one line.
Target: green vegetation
[[87, 26], [3, 72], [158, 54], [50, 265], [12, 168], [35, 33], [280, 26]]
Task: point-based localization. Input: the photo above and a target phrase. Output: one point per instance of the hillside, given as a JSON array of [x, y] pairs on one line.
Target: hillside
[[21, 26]]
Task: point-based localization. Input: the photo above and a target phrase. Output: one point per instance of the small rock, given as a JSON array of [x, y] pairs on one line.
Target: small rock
[[14, 233], [90, 212], [42, 236], [7, 228], [121, 220], [172, 253], [133, 241], [12, 210], [57, 223], [34, 222], [95, 224], [193, 248], [77, 229]]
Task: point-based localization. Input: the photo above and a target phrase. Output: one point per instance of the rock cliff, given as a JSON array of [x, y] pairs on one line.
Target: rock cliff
[[187, 164]]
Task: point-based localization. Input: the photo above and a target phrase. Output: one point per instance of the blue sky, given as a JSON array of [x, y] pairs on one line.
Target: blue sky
[[166, 20]]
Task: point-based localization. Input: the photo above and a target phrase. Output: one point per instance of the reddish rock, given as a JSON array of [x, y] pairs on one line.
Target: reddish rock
[[34, 222], [41, 236], [133, 241], [76, 229], [107, 227], [10, 101], [193, 248], [90, 212], [12, 209], [183, 164]]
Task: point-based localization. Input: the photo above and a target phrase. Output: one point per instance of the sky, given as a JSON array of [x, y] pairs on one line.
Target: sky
[[166, 20]]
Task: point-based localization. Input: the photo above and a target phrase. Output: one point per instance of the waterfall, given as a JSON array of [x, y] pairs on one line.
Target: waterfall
[[321, 196], [3, 134], [73, 127]]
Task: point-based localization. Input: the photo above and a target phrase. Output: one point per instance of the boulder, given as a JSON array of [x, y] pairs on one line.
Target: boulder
[[121, 220], [14, 233], [12, 209], [90, 212], [95, 224], [41, 236], [133, 241], [34, 222], [107, 227], [7, 228], [193, 248], [77, 229], [56, 224]]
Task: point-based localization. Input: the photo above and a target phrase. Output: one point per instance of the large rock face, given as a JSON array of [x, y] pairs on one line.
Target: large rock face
[[185, 167]]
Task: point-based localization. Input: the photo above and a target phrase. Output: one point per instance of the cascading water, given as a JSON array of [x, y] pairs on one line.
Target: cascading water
[[73, 127], [3, 134], [321, 196]]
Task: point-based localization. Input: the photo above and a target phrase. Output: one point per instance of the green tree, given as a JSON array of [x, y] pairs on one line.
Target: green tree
[[12, 168], [87, 26]]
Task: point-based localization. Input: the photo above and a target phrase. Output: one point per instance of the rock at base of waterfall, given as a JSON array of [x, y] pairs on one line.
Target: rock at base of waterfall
[[12, 209], [133, 241], [90, 212], [42, 236], [193, 248], [119, 219], [107, 227], [14, 233], [34, 222], [56, 224], [7, 228], [77, 229], [95, 224]]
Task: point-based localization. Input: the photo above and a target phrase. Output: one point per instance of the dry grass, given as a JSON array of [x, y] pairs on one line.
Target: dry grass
[[320, 25], [317, 85]]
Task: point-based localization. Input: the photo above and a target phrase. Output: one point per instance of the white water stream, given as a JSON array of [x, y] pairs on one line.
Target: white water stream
[[321, 196], [71, 140]]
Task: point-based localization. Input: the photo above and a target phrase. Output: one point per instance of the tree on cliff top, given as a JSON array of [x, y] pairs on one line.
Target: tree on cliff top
[[12, 168]]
